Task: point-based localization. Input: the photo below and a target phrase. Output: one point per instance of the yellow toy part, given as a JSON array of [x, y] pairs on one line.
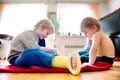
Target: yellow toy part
[[65, 62]]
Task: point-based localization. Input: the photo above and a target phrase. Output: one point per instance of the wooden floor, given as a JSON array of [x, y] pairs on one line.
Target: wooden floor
[[112, 74]]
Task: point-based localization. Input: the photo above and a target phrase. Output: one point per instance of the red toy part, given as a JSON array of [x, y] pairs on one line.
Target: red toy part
[[98, 66], [117, 59], [119, 9]]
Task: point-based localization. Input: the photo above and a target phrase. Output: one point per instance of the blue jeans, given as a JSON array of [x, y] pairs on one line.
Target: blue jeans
[[33, 57], [84, 55]]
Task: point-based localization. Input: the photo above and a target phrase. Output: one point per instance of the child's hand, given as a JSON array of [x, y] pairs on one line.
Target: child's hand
[[58, 53], [86, 63], [52, 51]]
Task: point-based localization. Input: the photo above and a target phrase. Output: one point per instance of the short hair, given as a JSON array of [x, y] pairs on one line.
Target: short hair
[[88, 22], [45, 24]]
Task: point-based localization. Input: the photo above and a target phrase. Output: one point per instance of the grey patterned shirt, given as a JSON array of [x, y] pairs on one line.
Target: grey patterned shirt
[[27, 39]]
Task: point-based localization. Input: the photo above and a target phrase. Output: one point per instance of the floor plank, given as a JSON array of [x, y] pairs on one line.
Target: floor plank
[[112, 74]]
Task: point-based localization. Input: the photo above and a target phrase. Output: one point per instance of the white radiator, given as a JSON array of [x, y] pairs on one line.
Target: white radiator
[[4, 48]]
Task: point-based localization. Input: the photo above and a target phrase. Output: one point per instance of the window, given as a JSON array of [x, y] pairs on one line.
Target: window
[[70, 15], [19, 17]]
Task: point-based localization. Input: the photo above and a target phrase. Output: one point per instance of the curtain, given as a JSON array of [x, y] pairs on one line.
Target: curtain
[[1, 9], [70, 16], [94, 10], [19, 17]]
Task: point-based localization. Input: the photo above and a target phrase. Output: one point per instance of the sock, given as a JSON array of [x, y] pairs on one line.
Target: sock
[[65, 62]]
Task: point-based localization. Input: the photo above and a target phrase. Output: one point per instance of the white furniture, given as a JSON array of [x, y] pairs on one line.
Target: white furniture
[[69, 44]]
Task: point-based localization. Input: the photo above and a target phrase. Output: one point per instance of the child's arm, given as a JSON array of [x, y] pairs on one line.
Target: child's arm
[[94, 48], [31, 41]]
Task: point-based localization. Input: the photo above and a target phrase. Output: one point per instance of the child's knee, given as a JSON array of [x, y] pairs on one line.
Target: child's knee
[[28, 53], [82, 52], [30, 50]]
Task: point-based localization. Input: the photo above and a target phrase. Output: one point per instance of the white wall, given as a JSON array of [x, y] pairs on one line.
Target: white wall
[[52, 6], [34, 1], [108, 7], [103, 9], [113, 5]]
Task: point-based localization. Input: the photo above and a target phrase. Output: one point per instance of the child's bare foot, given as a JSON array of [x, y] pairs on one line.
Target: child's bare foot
[[74, 61]]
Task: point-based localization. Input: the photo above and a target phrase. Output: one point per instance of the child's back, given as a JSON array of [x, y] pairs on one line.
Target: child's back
[[106, 46]]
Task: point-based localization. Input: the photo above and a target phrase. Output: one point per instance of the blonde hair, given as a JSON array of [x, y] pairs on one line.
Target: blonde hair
[[88, 22], [45, 24]]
